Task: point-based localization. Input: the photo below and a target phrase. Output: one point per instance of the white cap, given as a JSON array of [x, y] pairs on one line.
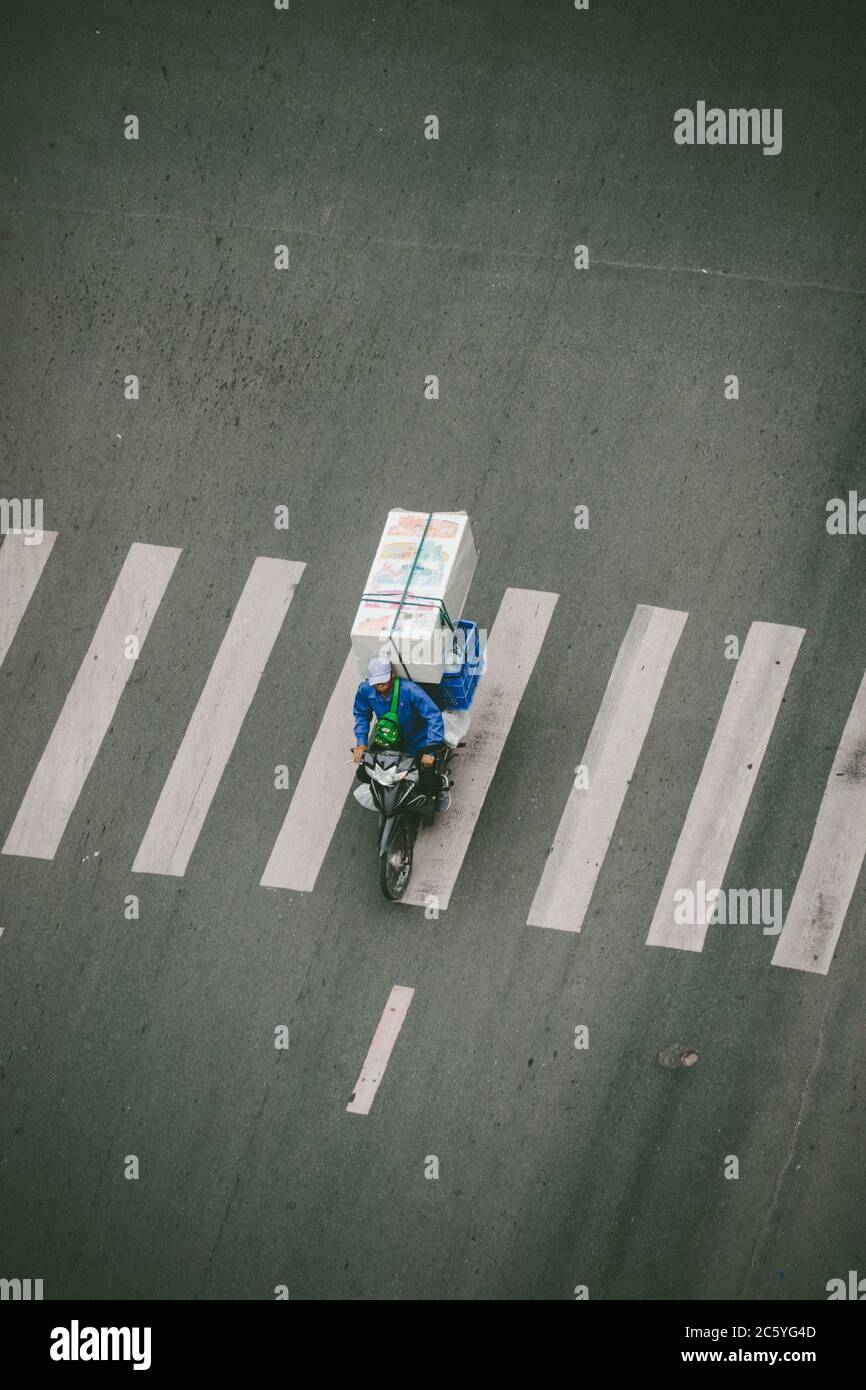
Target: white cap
[[379, 670]]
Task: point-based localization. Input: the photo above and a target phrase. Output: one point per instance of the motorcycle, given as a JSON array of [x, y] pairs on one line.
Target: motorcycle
[[402, 809]]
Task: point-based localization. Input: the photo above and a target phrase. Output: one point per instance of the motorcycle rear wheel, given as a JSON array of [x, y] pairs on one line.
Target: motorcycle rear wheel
[[395, 867]]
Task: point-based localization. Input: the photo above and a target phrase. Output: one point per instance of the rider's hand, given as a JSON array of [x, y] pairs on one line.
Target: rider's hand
[[427, 760], [358, 751]]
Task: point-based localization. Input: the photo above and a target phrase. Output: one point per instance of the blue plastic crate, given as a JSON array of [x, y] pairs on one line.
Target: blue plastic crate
[[457, 691]]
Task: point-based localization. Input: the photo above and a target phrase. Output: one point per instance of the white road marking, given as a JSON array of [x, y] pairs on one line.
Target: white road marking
[[320, 794], [834, 858], [20, 568], [91, 703], [381, 1047], [729, 773], [589, 819], [512, 650], [216, 721]]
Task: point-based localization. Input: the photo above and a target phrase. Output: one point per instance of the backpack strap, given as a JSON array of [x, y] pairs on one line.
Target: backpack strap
[[395, 697]]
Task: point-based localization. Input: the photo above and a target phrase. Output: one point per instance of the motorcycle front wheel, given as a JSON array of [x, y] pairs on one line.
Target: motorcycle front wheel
[[395, 866]]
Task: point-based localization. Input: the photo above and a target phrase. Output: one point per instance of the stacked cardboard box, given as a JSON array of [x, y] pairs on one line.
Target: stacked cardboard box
[[415, 594]]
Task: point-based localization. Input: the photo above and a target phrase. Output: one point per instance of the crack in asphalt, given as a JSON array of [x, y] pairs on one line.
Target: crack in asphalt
[[393, 244], [807, 1084]]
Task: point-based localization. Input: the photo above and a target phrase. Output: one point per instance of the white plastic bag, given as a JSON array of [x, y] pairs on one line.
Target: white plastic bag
[[364, 796], [456, 723]]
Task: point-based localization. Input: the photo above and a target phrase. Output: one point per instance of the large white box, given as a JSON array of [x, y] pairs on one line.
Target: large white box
[[419, 580]]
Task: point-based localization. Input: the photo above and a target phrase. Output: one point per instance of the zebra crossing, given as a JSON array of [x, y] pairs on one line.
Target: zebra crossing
[[834, 857], [91, 703], [216, 721], [319, 798], [728, 776], [568, 877], [589, 819], [21, 566]]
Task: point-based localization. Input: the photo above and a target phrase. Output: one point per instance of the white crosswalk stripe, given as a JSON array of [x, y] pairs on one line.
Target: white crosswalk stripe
[[216, 721], [381, 1047], [834, 858], [588, 821], [20, 568], [320, 795], [729, 773], [515, 641], [91, 703]]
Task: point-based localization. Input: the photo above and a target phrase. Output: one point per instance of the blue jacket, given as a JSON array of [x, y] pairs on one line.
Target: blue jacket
[[421, 723]]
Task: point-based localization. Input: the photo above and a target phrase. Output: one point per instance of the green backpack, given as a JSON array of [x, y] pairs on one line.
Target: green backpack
[[387, 731]]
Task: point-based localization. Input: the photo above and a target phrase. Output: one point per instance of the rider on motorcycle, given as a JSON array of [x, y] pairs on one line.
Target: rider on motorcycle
[[422, 732]]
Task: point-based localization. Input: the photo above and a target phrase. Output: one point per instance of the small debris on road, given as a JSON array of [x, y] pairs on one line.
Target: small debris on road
[[677, 1055]]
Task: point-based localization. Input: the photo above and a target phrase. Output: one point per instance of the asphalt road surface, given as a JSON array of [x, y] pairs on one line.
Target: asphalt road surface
[[157, 1141]]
